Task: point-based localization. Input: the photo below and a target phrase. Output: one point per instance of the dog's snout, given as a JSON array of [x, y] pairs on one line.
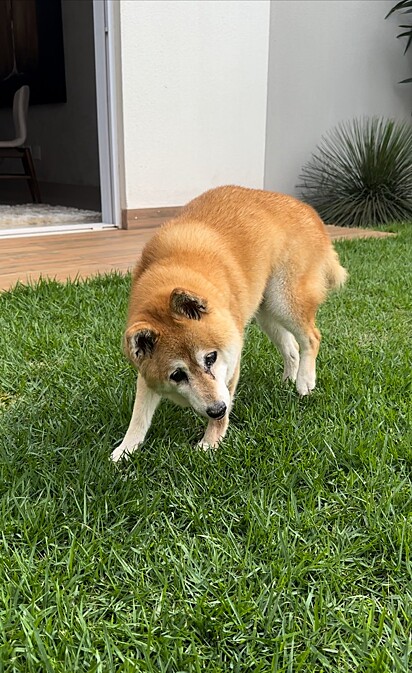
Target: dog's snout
[[217, 410]]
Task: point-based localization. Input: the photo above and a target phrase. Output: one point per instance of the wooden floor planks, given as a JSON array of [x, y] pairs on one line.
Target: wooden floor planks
[[64, 256]]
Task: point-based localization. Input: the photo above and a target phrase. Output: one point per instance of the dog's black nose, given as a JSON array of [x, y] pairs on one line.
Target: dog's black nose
[[217, 410]]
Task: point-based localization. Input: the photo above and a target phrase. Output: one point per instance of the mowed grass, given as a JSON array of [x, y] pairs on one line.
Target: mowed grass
[[288, 549]]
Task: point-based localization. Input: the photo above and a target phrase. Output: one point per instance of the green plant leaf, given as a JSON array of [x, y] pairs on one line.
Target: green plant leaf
[[361, 173], [399, 6], [407, 34]]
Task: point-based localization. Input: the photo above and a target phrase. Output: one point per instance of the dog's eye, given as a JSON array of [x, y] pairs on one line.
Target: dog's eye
[[210, 359], [178, 376]]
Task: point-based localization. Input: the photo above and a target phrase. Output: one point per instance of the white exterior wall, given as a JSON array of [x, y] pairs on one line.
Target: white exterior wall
[[194, 96], [329, 61]]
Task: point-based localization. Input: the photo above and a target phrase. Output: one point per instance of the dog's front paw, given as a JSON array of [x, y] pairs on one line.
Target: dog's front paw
[[119, 452], [210, 441], [204, 445], [124, 450], [214, 434]]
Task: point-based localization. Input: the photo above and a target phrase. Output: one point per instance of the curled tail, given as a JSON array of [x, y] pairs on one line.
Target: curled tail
[[336, 274]]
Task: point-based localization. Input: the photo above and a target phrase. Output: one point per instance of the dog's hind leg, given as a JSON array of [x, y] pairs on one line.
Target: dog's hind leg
[[292, 304], [283, 340], [305, 300], [308, 337], [144, 407]]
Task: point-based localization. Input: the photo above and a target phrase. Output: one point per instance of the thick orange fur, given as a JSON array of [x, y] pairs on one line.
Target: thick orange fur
[[243, 253]]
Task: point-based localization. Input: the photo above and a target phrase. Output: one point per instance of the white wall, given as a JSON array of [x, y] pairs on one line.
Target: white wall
[[329, 61], [194, 96]]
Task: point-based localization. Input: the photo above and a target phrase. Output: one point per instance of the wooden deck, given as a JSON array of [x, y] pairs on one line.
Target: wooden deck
[[80, 255]]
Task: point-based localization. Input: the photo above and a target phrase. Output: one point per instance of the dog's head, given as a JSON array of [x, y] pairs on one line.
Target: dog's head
[[187, 351]]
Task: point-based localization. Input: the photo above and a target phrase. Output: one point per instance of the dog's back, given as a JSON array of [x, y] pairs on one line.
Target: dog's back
[[235, 238]]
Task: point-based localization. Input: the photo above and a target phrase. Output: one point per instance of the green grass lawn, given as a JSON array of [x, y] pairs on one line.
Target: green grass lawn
[[289, 549]]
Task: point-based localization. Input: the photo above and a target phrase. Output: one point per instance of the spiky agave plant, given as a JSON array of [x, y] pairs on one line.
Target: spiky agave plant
[[361, 173]]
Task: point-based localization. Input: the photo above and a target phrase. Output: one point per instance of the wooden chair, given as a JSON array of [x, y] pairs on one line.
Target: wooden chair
[[15, 148]]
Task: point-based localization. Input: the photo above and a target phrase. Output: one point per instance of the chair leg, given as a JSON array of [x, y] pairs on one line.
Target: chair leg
[[31, 174]]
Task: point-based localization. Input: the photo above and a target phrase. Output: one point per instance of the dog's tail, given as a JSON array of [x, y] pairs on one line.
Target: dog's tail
[[336, 274]]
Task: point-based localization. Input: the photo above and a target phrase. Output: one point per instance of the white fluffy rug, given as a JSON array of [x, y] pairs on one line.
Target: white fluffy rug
[[40, 215]]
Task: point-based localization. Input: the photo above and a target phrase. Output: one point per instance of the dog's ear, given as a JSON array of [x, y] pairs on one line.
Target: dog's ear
[[187, 304], [140, 340]]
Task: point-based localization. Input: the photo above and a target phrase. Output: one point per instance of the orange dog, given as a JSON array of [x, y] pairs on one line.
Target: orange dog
[[232, 254]]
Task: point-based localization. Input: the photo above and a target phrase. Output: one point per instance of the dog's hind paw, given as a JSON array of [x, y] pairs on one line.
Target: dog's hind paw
[[306, 378], [305, 386], [291, 367]]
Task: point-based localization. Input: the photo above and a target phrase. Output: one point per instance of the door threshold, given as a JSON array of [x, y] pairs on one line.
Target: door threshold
[[55, 229]]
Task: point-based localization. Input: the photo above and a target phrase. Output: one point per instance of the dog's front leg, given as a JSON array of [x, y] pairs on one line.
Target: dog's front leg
[[144, 407], [216, 430]]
